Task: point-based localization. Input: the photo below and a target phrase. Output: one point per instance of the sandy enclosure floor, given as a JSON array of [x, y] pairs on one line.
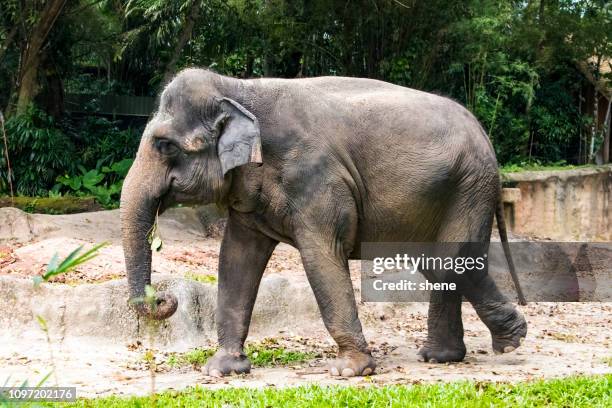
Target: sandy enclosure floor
[[563, 338]]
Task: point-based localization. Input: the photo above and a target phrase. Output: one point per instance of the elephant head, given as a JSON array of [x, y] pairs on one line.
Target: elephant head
[[186, 154]]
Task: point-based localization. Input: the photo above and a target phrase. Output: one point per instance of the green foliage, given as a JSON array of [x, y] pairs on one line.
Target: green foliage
[[43, 153], [4, 401], [259, 354], [563, 392], [198, 357], [104, 183], [38, 152], [100, 141], [74, 259], [536, 165], [210, 279], [513, 64], [262, 356]]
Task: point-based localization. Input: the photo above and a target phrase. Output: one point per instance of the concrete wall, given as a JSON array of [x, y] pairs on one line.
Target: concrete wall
[[565, 205]]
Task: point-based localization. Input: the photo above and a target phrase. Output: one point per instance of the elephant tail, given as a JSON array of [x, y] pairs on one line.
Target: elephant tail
[[503, 235]]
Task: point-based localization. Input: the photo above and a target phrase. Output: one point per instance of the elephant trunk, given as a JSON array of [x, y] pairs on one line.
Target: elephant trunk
[[138, 213]]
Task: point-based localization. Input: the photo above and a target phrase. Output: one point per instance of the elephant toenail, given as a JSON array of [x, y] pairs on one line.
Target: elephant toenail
[[433, 360], [367, 371], [215, 373], [509, 349], [497, 352], [348, 372], [334, 371], [521, 340]]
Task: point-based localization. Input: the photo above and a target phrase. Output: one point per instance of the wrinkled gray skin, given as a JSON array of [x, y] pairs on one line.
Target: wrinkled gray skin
[[322, 164]]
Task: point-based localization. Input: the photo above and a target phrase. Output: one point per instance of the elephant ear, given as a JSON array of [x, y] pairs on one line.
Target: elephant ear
[[239, 140]]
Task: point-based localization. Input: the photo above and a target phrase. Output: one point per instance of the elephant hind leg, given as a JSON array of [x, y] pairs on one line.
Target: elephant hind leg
[[444, 329], [472, 223]]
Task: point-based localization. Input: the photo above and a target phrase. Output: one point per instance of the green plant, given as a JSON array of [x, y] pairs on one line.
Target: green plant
[[42, 323], [103, 182], [74, 259], [572, 392], [101, 140], [260, 355], [6, 403], [536, 165], [211, 279], [55, 267], [153, 237], [38, 152]]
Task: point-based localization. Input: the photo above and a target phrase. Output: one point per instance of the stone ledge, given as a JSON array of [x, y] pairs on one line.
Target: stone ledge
[[559, 174]]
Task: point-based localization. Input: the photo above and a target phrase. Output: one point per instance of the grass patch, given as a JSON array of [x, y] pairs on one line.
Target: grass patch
[[210, 279], [565, 337], [568, 392], [516, 168], [197, 356], [260, 356]]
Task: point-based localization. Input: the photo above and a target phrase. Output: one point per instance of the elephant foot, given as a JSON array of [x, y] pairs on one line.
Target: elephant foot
[[225, 363], [441, 353], [352, 363], [444, 330], [510, 340], [507, 325]]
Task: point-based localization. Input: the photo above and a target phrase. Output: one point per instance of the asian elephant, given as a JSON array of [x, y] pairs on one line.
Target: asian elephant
[[322, 164]]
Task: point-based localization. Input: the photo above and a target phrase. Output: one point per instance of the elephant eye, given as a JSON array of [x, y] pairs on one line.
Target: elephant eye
[[166, 147]]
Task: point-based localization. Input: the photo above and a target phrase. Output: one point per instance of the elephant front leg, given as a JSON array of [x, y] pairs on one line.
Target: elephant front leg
[[330, 280], [242, 260]]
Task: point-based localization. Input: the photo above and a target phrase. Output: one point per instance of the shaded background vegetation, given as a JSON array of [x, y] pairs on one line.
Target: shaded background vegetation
[[515, 64]]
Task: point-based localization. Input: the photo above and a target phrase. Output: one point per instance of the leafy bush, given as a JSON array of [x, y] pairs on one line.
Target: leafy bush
[[104, 182], [101, 139], [556, 121], [43, 152], [38, 153]]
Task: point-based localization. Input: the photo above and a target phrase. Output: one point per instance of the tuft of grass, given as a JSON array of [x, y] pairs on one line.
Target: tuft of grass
[[535, 166], [565, 337], [210, 279], [260, 356], [74, 259], [594, 391], [196, 357]]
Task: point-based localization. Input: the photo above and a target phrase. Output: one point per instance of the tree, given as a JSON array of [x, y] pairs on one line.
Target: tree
[[32, 47]]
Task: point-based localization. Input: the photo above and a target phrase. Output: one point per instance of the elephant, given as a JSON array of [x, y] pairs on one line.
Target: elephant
[[322, 164]]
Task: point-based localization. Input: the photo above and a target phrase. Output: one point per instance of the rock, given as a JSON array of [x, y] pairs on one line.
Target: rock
[[101, 310]]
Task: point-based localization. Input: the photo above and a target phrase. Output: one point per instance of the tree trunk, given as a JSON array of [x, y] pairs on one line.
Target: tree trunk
[[28, 84], [606, 129], [28, 77], [8, 40], [595, 109], [594, 125], [193, 15]]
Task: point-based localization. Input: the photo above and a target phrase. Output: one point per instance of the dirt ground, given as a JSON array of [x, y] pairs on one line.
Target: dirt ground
[[563, 338]]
